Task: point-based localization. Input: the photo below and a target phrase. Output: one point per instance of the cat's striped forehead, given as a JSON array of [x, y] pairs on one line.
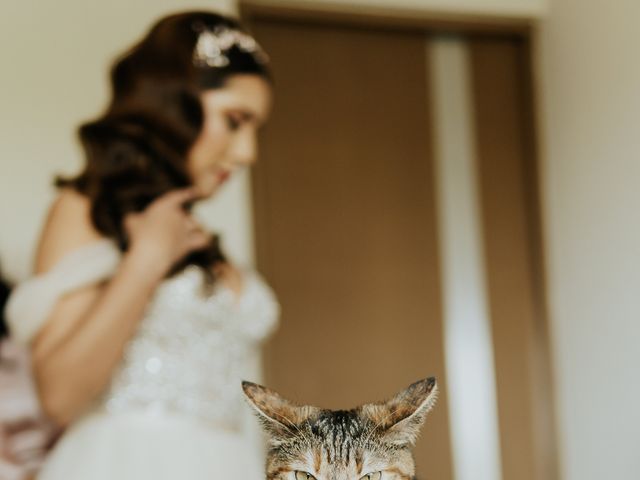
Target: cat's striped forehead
[[336, 437], [332, 436], [340, 435], [339, 444]]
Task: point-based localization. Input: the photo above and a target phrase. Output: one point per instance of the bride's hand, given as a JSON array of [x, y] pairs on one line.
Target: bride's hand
[[164, 232]]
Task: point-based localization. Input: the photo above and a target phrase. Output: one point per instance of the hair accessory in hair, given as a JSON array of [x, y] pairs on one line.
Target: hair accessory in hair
[[212, 46]]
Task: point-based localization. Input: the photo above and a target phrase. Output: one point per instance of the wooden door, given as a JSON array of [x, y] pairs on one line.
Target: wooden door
[[345, 220]]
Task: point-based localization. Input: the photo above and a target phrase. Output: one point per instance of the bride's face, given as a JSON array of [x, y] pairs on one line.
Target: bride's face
[[232, 116]]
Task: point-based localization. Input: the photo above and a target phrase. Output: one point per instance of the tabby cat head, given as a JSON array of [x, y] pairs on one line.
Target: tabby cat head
[[371, 442]]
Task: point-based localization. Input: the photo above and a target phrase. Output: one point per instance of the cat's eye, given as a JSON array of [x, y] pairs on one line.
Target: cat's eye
[[304, 476], [372, 476]]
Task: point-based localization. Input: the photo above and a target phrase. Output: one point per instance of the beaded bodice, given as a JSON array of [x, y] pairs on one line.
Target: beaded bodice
[[191, 350]]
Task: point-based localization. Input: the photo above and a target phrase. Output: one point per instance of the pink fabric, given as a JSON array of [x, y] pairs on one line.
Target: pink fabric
[[25, 435]]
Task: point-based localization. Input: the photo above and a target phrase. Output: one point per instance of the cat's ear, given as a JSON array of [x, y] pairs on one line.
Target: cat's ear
[[400, 418], [280, 418]]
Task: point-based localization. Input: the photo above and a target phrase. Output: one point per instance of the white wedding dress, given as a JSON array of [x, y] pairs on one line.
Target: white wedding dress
[[174, 407]]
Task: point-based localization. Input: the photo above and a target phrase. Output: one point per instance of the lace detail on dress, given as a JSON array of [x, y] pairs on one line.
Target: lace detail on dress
[[190, 351]]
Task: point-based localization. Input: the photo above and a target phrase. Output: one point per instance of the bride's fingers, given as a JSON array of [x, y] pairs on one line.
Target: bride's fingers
[[198, 239]]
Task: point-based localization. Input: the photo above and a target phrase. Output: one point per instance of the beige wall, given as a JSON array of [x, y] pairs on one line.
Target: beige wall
[[520, 8], [591, 86], [54, 63]]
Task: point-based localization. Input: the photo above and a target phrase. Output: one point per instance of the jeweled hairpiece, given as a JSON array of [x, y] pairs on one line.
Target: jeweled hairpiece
[[212, 46]]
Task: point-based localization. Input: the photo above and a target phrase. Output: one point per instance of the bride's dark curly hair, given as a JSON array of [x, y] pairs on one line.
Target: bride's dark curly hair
[[137, 150]]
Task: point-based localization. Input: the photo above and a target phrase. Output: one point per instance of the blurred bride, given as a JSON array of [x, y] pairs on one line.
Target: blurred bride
[[139, 328]]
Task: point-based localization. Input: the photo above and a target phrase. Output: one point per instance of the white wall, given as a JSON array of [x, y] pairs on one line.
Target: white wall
[[591, 86], [55, 57]]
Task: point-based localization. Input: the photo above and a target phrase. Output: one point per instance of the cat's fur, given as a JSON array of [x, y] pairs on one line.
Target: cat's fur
[[343, 444]]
